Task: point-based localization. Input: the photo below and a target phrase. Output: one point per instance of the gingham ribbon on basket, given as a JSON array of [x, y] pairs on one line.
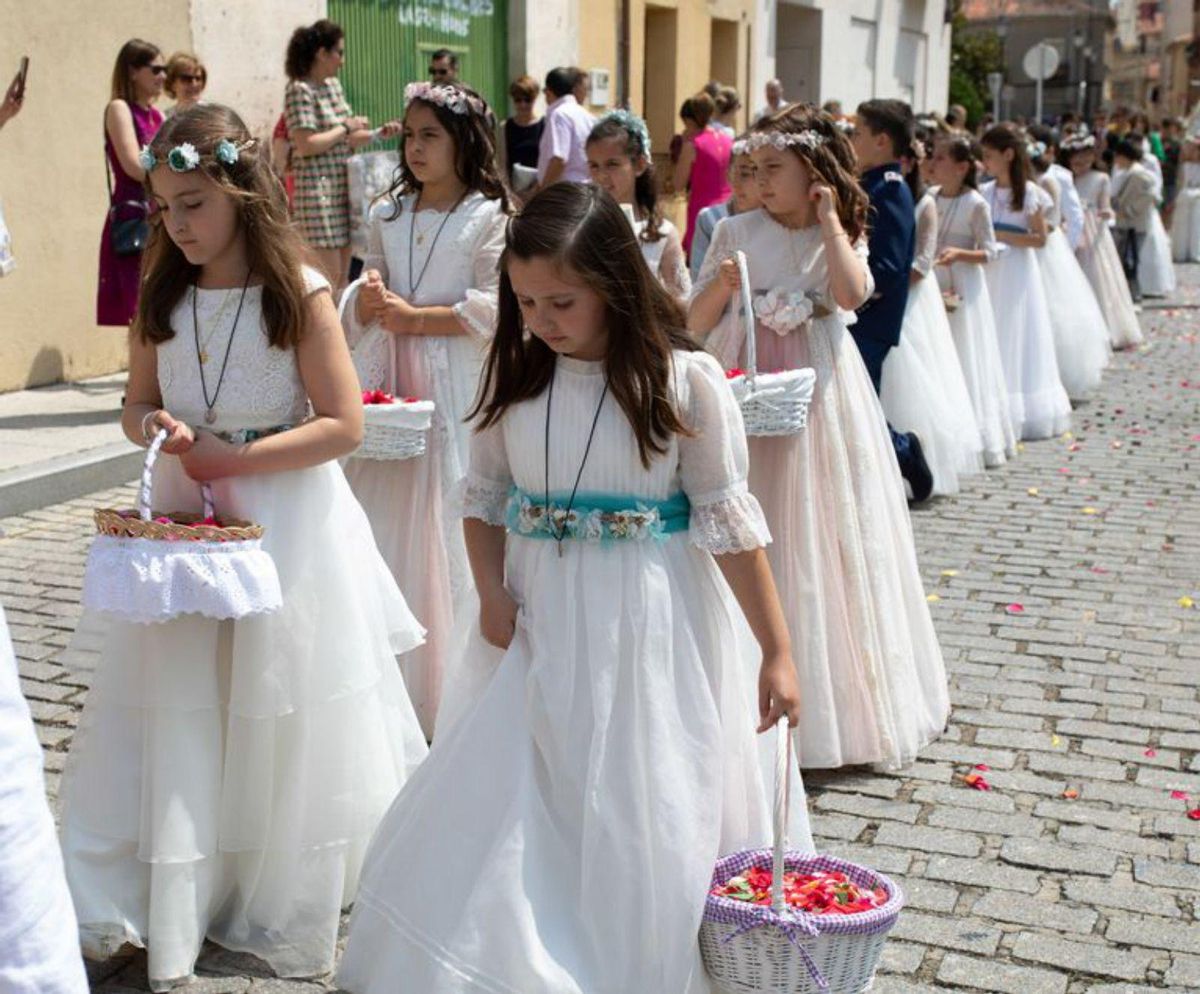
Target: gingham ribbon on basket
[[146, 491]]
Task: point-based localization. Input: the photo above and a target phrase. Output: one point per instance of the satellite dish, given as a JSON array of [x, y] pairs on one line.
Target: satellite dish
[[1041, 61]]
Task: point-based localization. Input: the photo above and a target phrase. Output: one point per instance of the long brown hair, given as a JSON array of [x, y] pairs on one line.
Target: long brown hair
[[831, 162], [134, 54], [474, 137], [583, 230], [620, 124], [1001, 138], [272, 245]]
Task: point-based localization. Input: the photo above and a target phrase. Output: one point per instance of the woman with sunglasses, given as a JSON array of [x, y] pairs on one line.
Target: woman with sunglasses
[[186, 80], [130, 121], [522, 134]]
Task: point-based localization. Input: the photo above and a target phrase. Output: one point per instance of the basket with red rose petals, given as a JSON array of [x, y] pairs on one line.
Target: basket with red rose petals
[[780, 922], [394, 427], [148, 566], [772, 403]]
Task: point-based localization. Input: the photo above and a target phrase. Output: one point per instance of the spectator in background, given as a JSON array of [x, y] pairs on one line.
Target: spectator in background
[[833, 108], [582, 90], [1172, 145], [956, 118], [130, 121], [703, 166], [775, 101], [522, 133], [323, 132], [443, 66], [281, 158], [562, 152], [186, 79], [728, 103]]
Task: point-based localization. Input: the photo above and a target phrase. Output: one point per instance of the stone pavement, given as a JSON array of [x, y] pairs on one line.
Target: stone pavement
[[1060, 587]]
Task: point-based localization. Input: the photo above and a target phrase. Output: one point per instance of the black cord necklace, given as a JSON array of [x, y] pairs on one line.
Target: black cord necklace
[[560, 533], [412, 224], [210, 414]]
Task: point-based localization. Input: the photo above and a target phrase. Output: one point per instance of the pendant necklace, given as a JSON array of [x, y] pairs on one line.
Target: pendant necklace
[[560, 533], [216, 325], [413, 285], [210, 414]]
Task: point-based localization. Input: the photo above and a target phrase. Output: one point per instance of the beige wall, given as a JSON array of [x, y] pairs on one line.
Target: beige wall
[[52, 179]]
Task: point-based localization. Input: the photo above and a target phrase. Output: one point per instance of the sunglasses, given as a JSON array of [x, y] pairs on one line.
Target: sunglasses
[[434, 71], [191, 77]]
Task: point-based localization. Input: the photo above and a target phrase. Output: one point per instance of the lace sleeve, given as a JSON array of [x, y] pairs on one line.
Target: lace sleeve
[[926, 236], [477, 312], [714, 462], [982, 231], [672, 268], [483, 492]]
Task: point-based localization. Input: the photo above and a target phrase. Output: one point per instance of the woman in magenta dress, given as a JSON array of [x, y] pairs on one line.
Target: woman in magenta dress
[[130, 121], [703, 164]]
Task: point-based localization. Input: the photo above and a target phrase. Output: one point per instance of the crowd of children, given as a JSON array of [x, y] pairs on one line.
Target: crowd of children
[[635, 587]]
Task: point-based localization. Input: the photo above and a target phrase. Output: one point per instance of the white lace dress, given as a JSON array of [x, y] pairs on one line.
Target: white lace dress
[[1156, 274], [226, 776], [871, 673], [39, 939], [965, 222], [1185, 217], [1036, 398], [666, 259], [1080, 331], [406, 500], [1097, 253], [562, 834], [923, 387]]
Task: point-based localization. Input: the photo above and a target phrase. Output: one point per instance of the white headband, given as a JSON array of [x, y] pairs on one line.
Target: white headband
[[779, 140]]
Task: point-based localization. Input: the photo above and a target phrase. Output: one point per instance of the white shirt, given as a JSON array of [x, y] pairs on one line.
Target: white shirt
[[565, 137], [1071, 205]]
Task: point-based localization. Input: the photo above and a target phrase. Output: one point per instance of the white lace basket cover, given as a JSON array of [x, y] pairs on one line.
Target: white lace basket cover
[[774, 949], [154, 571], [771, 403], [390, 431]]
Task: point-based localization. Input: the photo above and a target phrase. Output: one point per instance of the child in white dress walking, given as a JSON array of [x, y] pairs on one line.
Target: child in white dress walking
[[843, 556], [226, 775], [562, 835], [419, 322]]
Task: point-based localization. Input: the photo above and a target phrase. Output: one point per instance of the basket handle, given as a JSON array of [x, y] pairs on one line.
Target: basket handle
[[783, 773], [347, 294], [146, 491], [747, 316]]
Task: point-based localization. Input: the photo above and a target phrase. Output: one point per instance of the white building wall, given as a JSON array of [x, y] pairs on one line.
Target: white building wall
[[542, 34], [855, 50]]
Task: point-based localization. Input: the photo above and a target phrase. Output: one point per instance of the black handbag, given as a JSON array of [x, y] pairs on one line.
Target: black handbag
[[128, 221]]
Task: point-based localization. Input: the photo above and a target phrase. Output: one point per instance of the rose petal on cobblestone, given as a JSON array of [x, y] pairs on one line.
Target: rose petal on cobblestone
[[1014, 608]]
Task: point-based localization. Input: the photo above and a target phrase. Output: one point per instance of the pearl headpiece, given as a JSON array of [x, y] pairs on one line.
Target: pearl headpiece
[[781, 140]]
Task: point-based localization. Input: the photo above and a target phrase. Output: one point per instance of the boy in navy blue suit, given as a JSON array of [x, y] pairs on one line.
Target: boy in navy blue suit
[[883, 131]]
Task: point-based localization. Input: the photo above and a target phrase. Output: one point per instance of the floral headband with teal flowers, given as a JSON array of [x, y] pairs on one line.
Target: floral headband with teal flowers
[[634, 125], [185, 157]]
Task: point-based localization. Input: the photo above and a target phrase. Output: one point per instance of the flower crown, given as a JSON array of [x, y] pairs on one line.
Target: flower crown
[[184, 158], [634, 125], [1077, 143], [1036, 149], [444, 95], [780, 140]]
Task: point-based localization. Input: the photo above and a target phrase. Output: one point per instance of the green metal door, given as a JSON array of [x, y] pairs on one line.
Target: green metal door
[[388, 43]]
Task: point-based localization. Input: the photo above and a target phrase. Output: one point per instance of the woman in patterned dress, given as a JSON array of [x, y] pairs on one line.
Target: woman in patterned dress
[[323, 132]]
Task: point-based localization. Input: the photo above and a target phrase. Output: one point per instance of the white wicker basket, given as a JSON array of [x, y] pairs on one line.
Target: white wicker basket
[[750, 949], [396, 431], [772, 403]]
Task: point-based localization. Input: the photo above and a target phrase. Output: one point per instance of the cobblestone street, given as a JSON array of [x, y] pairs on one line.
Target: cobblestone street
[[1062, 587]]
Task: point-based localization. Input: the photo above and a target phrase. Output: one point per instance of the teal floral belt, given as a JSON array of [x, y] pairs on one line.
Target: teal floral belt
[[596, 517], [241, 436]]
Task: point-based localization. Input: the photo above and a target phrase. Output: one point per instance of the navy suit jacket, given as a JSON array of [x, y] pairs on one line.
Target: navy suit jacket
[[892, 243]]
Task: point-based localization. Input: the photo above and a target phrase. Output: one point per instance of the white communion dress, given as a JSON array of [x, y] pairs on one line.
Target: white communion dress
[[965, 222], [562, 834], [453, 260], [1080, 331], [1037, 401], [39, 938], [1185, 217], [923, 386], [1156, 274], [666, 258], [227, 776], [871, 671], [1097, 253]]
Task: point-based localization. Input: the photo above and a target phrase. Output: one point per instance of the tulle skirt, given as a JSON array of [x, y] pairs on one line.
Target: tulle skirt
[[1036, 397], [226, 776], [1080, 331], [39, 939], [1156, 274], [1185, 226], [973, 328], [562, 834], [924, 391], [871, 671], [1098, 256]]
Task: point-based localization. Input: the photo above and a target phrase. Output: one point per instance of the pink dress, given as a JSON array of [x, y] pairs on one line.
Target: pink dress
[[117, 294], [708, 182]]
